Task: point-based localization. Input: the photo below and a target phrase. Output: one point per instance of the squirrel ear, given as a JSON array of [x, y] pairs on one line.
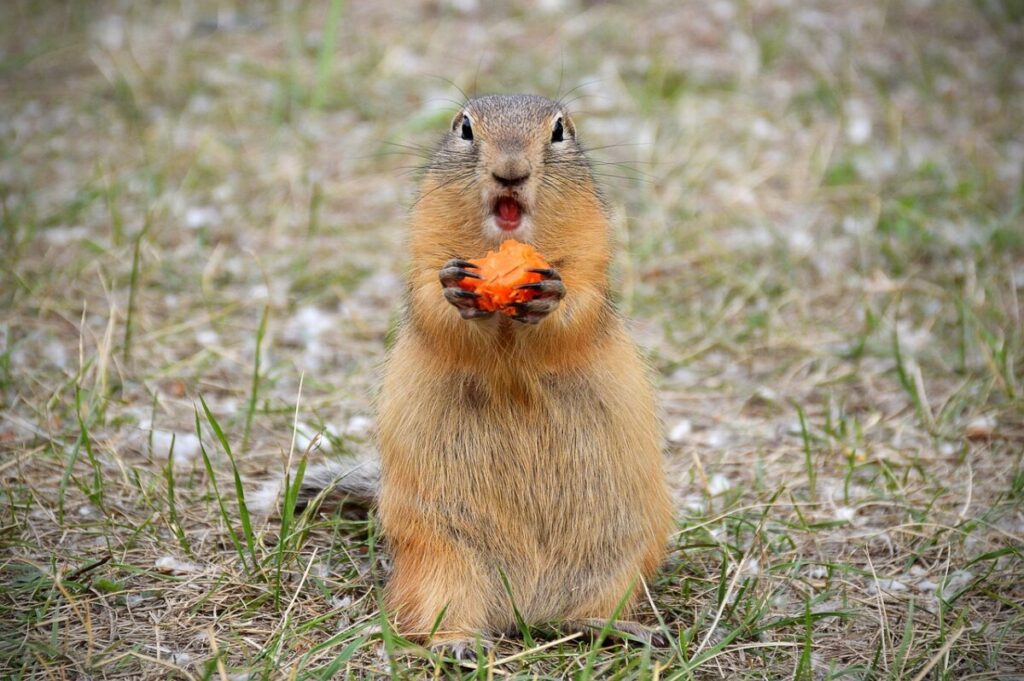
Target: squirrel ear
[[570, 127]]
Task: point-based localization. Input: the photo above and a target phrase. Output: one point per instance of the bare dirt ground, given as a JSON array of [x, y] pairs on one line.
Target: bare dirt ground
[[818, 206]]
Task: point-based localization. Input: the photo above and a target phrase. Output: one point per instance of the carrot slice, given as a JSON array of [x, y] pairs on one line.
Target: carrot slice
[[501, 272]]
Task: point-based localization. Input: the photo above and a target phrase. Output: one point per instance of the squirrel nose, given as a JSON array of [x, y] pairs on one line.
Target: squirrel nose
[[510, 181], [510, 169]]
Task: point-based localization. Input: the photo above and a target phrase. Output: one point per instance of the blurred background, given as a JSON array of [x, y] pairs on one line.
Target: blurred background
[[818, 208]]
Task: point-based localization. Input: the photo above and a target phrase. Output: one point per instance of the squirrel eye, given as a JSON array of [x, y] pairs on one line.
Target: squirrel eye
[[556, 134], [467, 129]]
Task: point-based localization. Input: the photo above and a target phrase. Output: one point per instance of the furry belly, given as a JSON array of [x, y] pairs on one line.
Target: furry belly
[[556, 483], [546, 500]]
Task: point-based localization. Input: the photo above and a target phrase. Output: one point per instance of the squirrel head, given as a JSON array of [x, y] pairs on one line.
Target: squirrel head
[[514, 167]]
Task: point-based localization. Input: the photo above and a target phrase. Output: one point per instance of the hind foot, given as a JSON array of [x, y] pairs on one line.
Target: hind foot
[[623, 631], [461, 649]]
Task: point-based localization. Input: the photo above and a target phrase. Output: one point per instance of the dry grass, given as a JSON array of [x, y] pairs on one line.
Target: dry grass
[[819, 207]]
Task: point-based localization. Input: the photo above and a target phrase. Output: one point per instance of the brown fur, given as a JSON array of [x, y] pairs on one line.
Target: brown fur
[[528, 450]]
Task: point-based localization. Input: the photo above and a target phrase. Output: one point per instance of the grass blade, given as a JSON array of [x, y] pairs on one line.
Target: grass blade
[[96, 493], [588, 670], [804, 669], [331, 669], [805, 435], [243, 509], [254, 391], [220, 500], [524, 629], [133, 281], [285, 540], [326, 55], [172, 506]]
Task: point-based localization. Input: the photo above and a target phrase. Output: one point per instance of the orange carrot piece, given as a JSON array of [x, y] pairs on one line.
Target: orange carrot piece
[[501, 272]]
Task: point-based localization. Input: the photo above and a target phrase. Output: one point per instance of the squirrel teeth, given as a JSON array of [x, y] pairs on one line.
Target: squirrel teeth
[[508, 212]]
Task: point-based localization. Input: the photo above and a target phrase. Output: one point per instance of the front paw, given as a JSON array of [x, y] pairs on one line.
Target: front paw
[[547, 294], [466, 302]]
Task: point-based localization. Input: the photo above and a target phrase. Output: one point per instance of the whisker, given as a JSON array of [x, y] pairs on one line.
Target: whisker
[[565, 104], [465, 97]]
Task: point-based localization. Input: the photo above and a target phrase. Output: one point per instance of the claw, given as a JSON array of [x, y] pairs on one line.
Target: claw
[[465, 303], [452, 292], [537, 306], [454, 274], [548, 288], [454, 271], [547, 273], [548, 295]]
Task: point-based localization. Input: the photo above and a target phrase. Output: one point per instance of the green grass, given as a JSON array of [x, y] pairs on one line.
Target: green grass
[[819, 216]]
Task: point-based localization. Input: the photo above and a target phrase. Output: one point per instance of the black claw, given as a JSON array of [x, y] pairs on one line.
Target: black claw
[[457, 267], [455, 270], [456, 296], [552, 287], [546, 272], [455, 273]]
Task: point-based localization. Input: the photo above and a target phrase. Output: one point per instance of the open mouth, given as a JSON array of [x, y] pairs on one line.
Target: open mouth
[[508, 213]]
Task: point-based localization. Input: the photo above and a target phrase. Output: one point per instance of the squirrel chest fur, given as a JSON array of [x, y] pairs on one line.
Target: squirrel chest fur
[[521, 448]]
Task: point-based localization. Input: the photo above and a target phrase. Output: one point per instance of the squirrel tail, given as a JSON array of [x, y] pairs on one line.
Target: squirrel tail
[[349, 484]]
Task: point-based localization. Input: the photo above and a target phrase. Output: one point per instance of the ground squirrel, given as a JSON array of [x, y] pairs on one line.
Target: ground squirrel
[[524, 448]]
